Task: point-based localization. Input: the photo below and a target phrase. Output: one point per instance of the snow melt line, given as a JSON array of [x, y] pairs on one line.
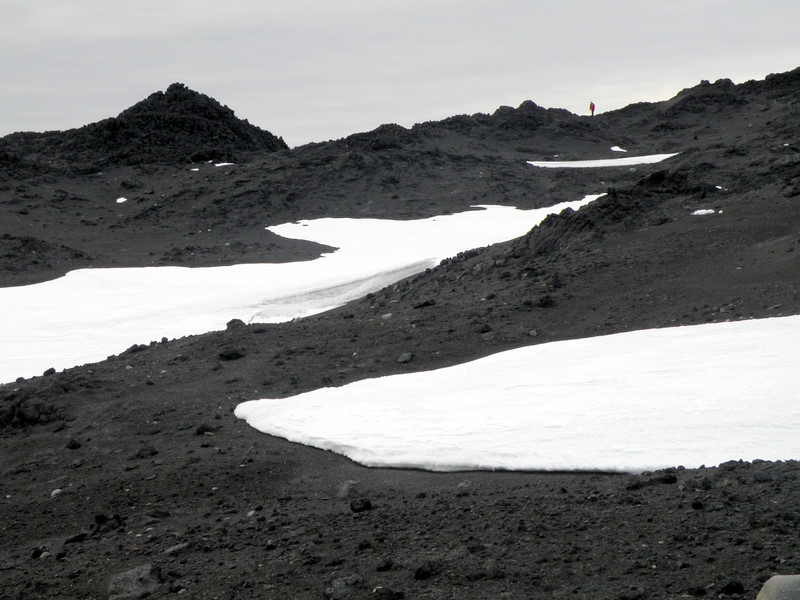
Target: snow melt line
[[605, 162]]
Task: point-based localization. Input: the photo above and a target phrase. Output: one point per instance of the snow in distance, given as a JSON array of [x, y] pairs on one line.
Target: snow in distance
[[605, 162], [636, 401], [104, 311]]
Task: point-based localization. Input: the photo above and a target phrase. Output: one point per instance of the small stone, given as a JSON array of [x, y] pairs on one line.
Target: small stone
[[205, 429], [56, 492], [405, 357], [50, 371], [136, 583], [344, 588], [533, 333], [347, 489], [176, 549], [425, 571], [77, 538], [235, 324], [73, 444], [229, 354], [358, 505], [732, 587], [385, 565], [464, 488], [385, 593], [697, 591], [145, 452]]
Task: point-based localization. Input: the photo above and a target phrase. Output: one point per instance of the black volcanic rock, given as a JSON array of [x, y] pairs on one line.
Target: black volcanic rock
[[26, 253], [178, 125], [508, 123], [385, 137]]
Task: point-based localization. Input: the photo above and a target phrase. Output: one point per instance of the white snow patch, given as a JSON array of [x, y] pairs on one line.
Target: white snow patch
[[194, 169], [617, 149], [121, 200], [634, 401], [91, 313], [223, 164], [606, 162], [704, 211]]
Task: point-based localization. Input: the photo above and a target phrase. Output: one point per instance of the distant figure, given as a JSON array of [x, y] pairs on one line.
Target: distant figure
[[591, 107]]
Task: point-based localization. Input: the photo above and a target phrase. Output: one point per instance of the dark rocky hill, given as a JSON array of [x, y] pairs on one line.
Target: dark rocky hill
[[136, 465], [178, 125]]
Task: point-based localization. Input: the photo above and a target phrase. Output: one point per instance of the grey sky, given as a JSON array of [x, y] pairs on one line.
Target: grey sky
[[312, 70]]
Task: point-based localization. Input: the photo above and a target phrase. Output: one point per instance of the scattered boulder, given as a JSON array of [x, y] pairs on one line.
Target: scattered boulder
[[235, 324], [426, 570], [205, 429], [385, 593], [464, 488], [732, 587], [228, 354], [344, 588], [135, 583], [347, 489], [145, 452], [358, 505], [405, 357]]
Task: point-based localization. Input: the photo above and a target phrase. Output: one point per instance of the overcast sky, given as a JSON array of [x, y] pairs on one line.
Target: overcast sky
[[313, 70]]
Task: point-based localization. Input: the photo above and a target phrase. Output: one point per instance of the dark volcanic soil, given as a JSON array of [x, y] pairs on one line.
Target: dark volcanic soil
[[136, 465]]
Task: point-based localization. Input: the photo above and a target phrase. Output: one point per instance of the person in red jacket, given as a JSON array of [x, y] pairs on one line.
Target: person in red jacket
[[591, 107]]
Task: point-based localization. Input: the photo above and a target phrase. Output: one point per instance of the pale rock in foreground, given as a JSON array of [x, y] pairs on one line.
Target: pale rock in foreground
[[780, 587]]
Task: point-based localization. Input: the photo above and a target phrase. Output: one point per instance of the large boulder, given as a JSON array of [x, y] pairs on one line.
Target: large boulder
[[780, 587]]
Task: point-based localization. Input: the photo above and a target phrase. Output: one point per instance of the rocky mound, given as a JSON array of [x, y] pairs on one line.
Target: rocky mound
[[178, 125]]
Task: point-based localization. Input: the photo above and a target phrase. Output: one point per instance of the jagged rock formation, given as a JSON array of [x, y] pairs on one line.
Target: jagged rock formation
[[178, 125]]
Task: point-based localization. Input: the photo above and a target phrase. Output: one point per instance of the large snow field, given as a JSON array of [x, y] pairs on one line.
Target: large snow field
[[627, 402], [90, 314]]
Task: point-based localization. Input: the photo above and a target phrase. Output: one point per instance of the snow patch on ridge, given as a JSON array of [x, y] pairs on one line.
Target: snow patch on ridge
[[605, 162]]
